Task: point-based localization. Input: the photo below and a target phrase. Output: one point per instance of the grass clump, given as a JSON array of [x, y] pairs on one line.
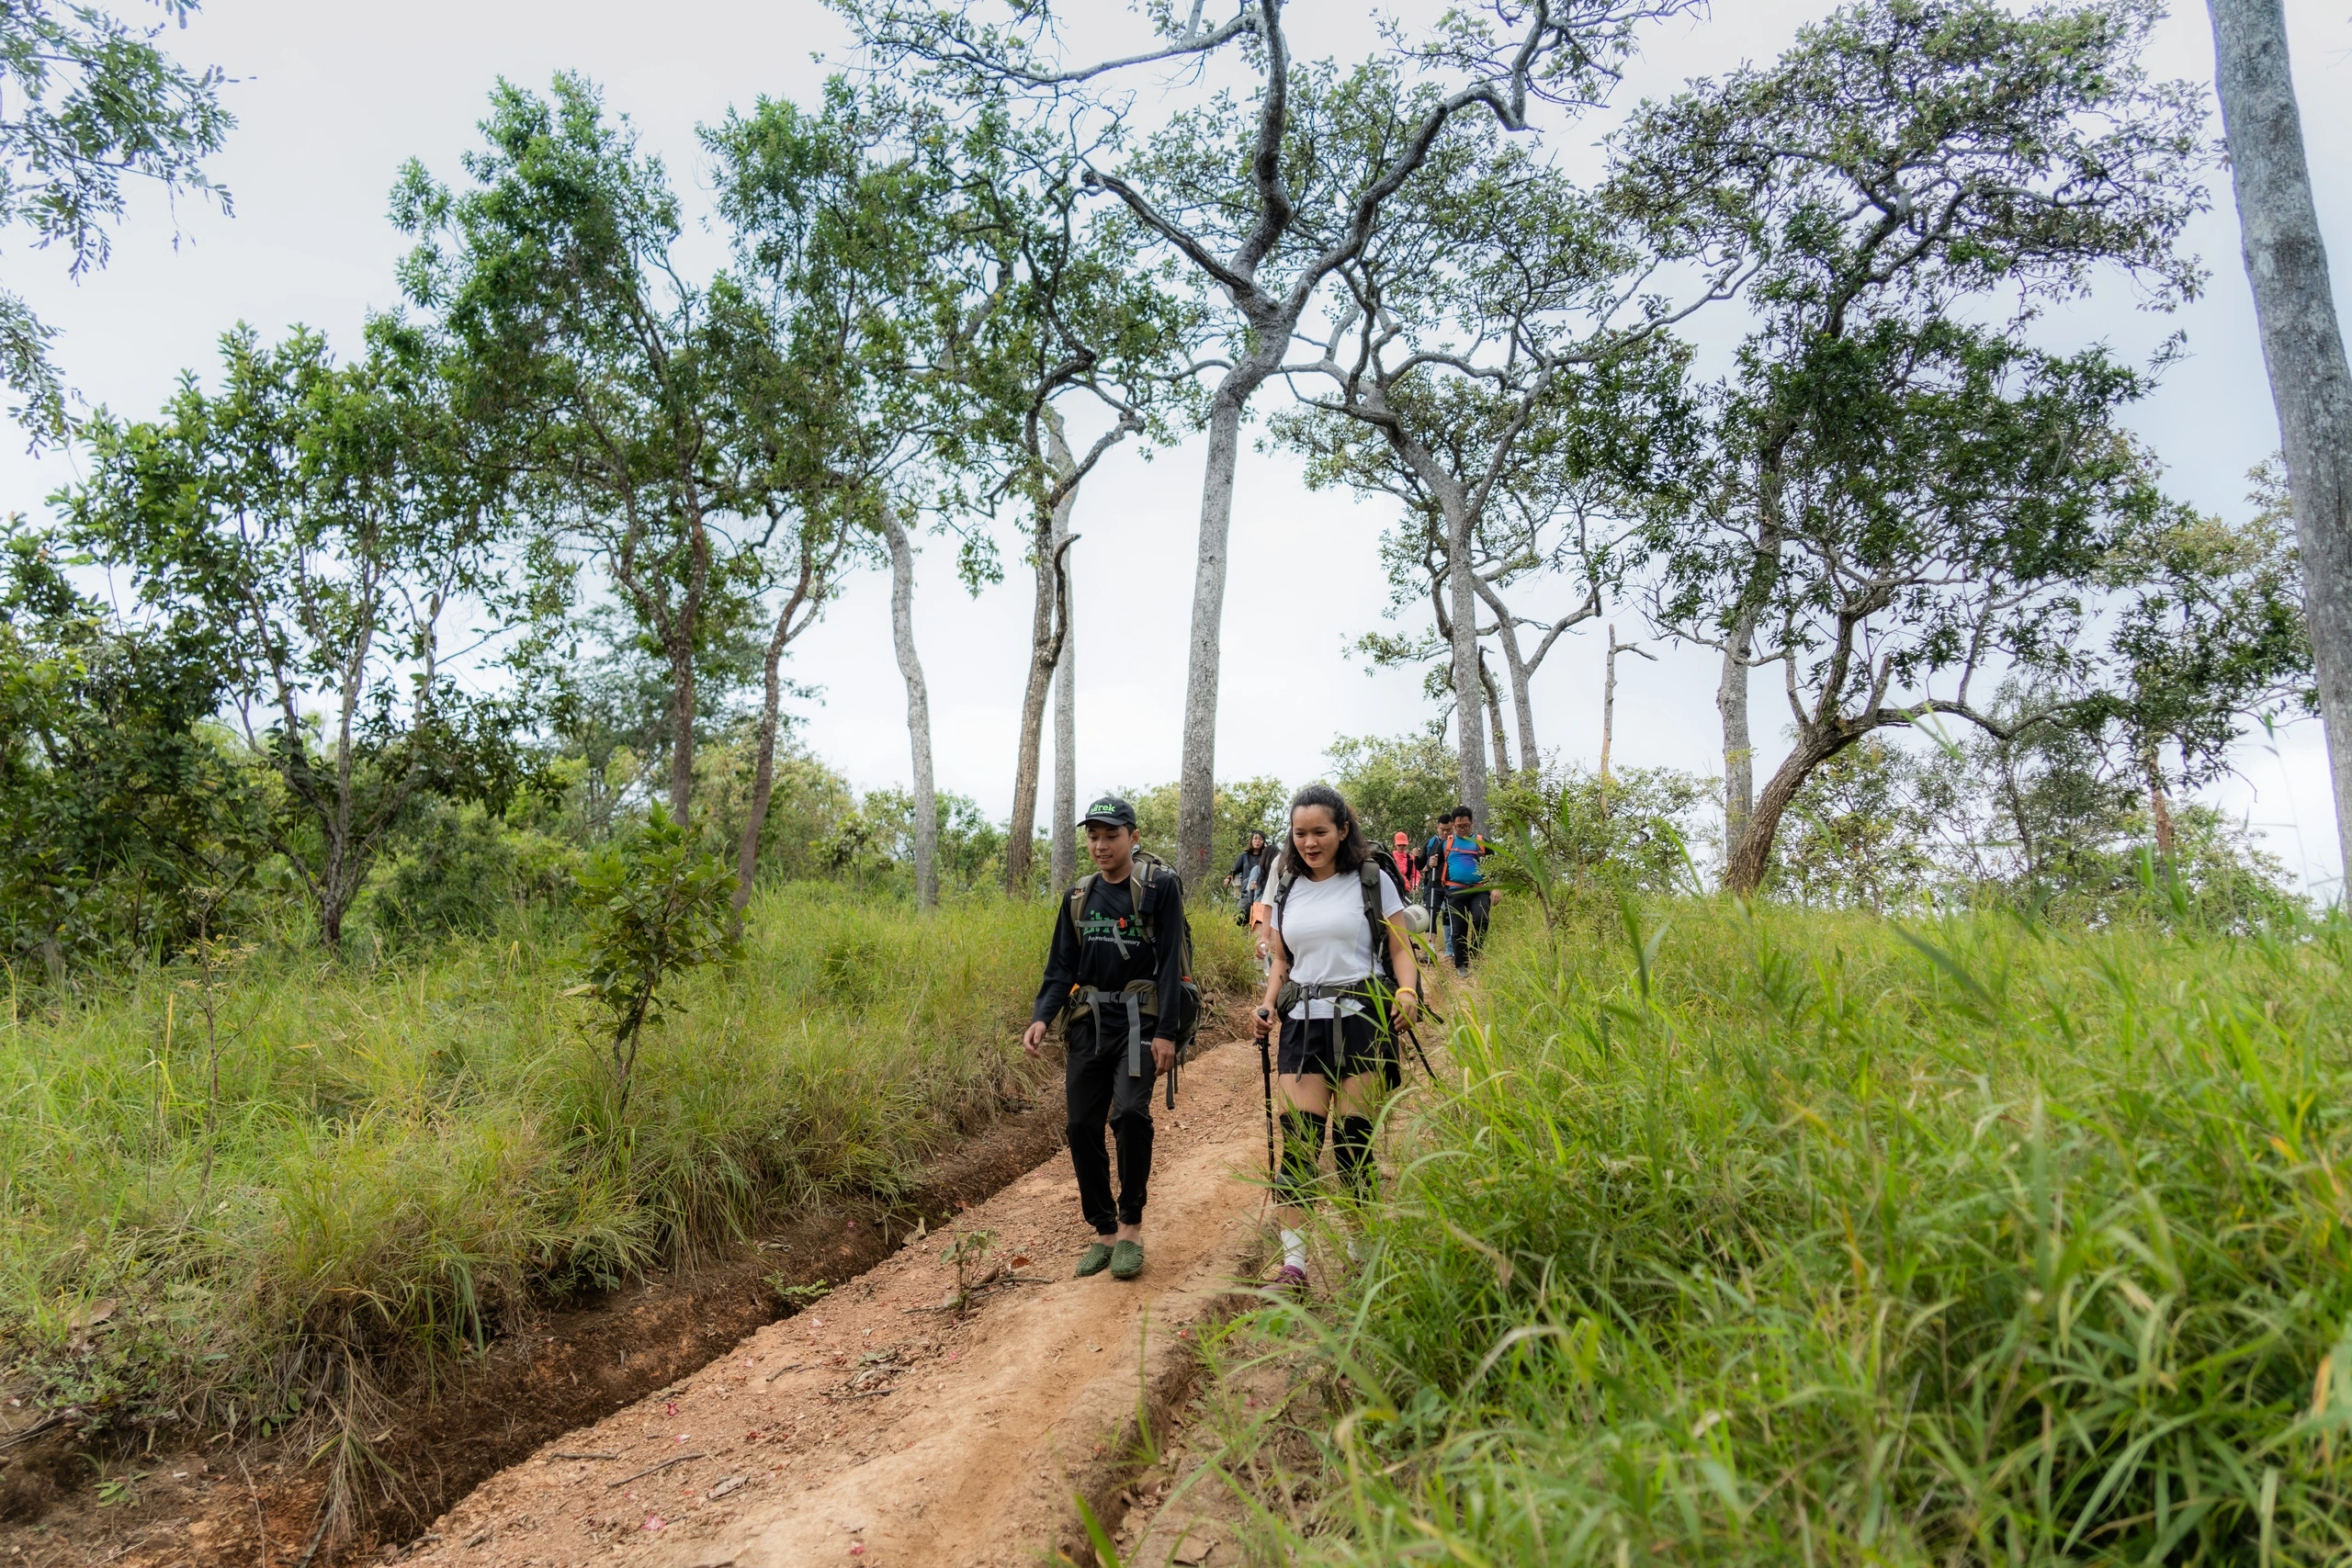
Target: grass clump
[[1792, 1238], [398, 1159]]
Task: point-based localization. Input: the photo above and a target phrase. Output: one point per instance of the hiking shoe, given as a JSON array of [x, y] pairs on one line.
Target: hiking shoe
[[1094, 1259], [1289, 1279], [1127, 1259]]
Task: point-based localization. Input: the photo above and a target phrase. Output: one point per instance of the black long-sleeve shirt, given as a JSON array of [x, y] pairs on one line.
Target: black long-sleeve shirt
[[1110, 951]]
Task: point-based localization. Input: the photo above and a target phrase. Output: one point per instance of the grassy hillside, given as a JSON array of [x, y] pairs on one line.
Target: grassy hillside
[[1788, 1237], [396, 1156]]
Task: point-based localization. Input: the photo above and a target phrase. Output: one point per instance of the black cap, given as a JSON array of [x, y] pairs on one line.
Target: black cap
[[1110, 811]]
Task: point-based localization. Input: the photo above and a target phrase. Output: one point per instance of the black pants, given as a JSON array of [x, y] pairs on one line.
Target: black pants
[[1100, 1088], [1465, 924]]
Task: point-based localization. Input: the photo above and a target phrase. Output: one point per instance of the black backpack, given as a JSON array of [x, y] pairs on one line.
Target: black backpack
[[1157, 882]]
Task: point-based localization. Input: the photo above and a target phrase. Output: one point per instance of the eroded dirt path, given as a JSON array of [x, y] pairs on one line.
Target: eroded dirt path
[[877, 1429]]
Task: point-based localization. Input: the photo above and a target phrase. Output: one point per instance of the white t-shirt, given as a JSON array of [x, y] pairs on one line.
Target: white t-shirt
[[1331, 944]]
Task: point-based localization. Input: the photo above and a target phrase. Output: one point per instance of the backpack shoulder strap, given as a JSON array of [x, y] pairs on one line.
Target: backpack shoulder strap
[[1143, 877], [1368, 877], [1077, 894]]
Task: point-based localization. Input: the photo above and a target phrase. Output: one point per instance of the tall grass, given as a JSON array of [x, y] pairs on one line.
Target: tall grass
[[1794, 1237], [401, 1157]]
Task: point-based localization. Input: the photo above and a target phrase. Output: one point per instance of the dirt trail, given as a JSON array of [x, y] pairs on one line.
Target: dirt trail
[[877, 1429]]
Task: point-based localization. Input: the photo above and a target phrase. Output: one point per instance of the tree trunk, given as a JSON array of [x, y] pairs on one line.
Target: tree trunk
[[1522, 705], [1750, 856], [1469, 692], [1607, 715], [682, 728], [1045, 653], [1065, 829], [1495, 720], [1020, 831], [902, 637], [2159, 805], [746, 845], [1196, 784], [2302, 344], [1739, 753]]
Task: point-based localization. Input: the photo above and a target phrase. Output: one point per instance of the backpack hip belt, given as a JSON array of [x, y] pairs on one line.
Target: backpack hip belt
[[1372, 991], [1141, 998]]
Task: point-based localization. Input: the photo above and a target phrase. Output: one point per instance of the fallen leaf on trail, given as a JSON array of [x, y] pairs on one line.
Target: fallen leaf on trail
[[725, 1486], [1018, 1260], [669, 1407], [655, 1522]]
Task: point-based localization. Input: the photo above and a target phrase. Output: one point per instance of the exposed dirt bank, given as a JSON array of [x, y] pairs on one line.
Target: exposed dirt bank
[[878, 1427], [200, 1507]]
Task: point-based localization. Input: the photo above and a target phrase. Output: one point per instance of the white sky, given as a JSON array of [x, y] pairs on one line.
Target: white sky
[[332, 98]]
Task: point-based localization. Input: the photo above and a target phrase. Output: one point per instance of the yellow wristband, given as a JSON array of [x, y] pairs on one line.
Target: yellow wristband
[[1408, 991]]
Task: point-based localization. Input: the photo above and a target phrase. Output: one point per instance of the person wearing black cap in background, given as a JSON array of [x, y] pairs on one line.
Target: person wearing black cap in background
[[1105, 975]]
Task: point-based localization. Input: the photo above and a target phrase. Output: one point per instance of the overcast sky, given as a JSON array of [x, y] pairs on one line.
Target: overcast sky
[[332, 98]]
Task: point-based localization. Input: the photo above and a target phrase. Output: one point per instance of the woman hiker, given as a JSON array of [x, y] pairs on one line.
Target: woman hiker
[[1338, 1001], [1106, 976]]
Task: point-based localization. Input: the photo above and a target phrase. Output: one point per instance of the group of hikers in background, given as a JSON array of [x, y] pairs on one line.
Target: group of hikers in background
[[1334, 918], [1446, 875]]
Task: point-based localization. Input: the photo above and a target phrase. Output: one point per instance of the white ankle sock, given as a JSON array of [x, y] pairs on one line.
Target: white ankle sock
[[1295, 1249]]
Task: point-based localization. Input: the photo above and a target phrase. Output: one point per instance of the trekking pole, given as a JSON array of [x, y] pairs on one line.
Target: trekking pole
[[1266, 1080], [1413, 1036]]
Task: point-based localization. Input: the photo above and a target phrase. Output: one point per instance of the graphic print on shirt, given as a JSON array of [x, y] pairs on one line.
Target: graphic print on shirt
[[1110, 920]]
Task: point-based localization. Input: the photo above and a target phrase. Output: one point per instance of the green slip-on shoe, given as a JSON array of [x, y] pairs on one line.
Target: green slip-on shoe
[[1127, 1260], [1095, 1258]]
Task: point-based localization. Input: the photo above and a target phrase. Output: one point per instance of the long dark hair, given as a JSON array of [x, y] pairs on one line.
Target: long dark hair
[[1353, 851]]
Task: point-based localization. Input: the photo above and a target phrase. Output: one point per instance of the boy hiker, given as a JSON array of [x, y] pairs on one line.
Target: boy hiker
[[1106, 975], [1461, 882]]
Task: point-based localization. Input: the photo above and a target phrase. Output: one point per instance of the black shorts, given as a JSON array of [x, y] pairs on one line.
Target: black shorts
[[1338, 1049]]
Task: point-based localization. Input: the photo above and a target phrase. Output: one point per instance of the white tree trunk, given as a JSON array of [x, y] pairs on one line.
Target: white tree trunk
[[1469, 690], [1196, 784], [1739, 752], [1608, 714], [1522, 707], [1065, 829], [1045, 657], [2302, 345], [902, 635]]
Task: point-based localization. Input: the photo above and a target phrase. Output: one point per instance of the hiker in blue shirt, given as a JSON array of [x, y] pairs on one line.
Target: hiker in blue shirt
[[1459, 881]]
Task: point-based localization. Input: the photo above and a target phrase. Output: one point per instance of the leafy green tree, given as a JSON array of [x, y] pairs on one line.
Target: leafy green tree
[[1894, 495], [92, 103], [2209, 631], [1061, 317], [1258, 227], [841, 227], [1495, 369], [1858, 838], [129, 818], [646, 419], [1397, 784], [324, 525], [1572, 834]]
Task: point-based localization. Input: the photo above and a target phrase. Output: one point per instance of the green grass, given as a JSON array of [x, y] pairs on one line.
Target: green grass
[[402, 1155], [1786, 1237]]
